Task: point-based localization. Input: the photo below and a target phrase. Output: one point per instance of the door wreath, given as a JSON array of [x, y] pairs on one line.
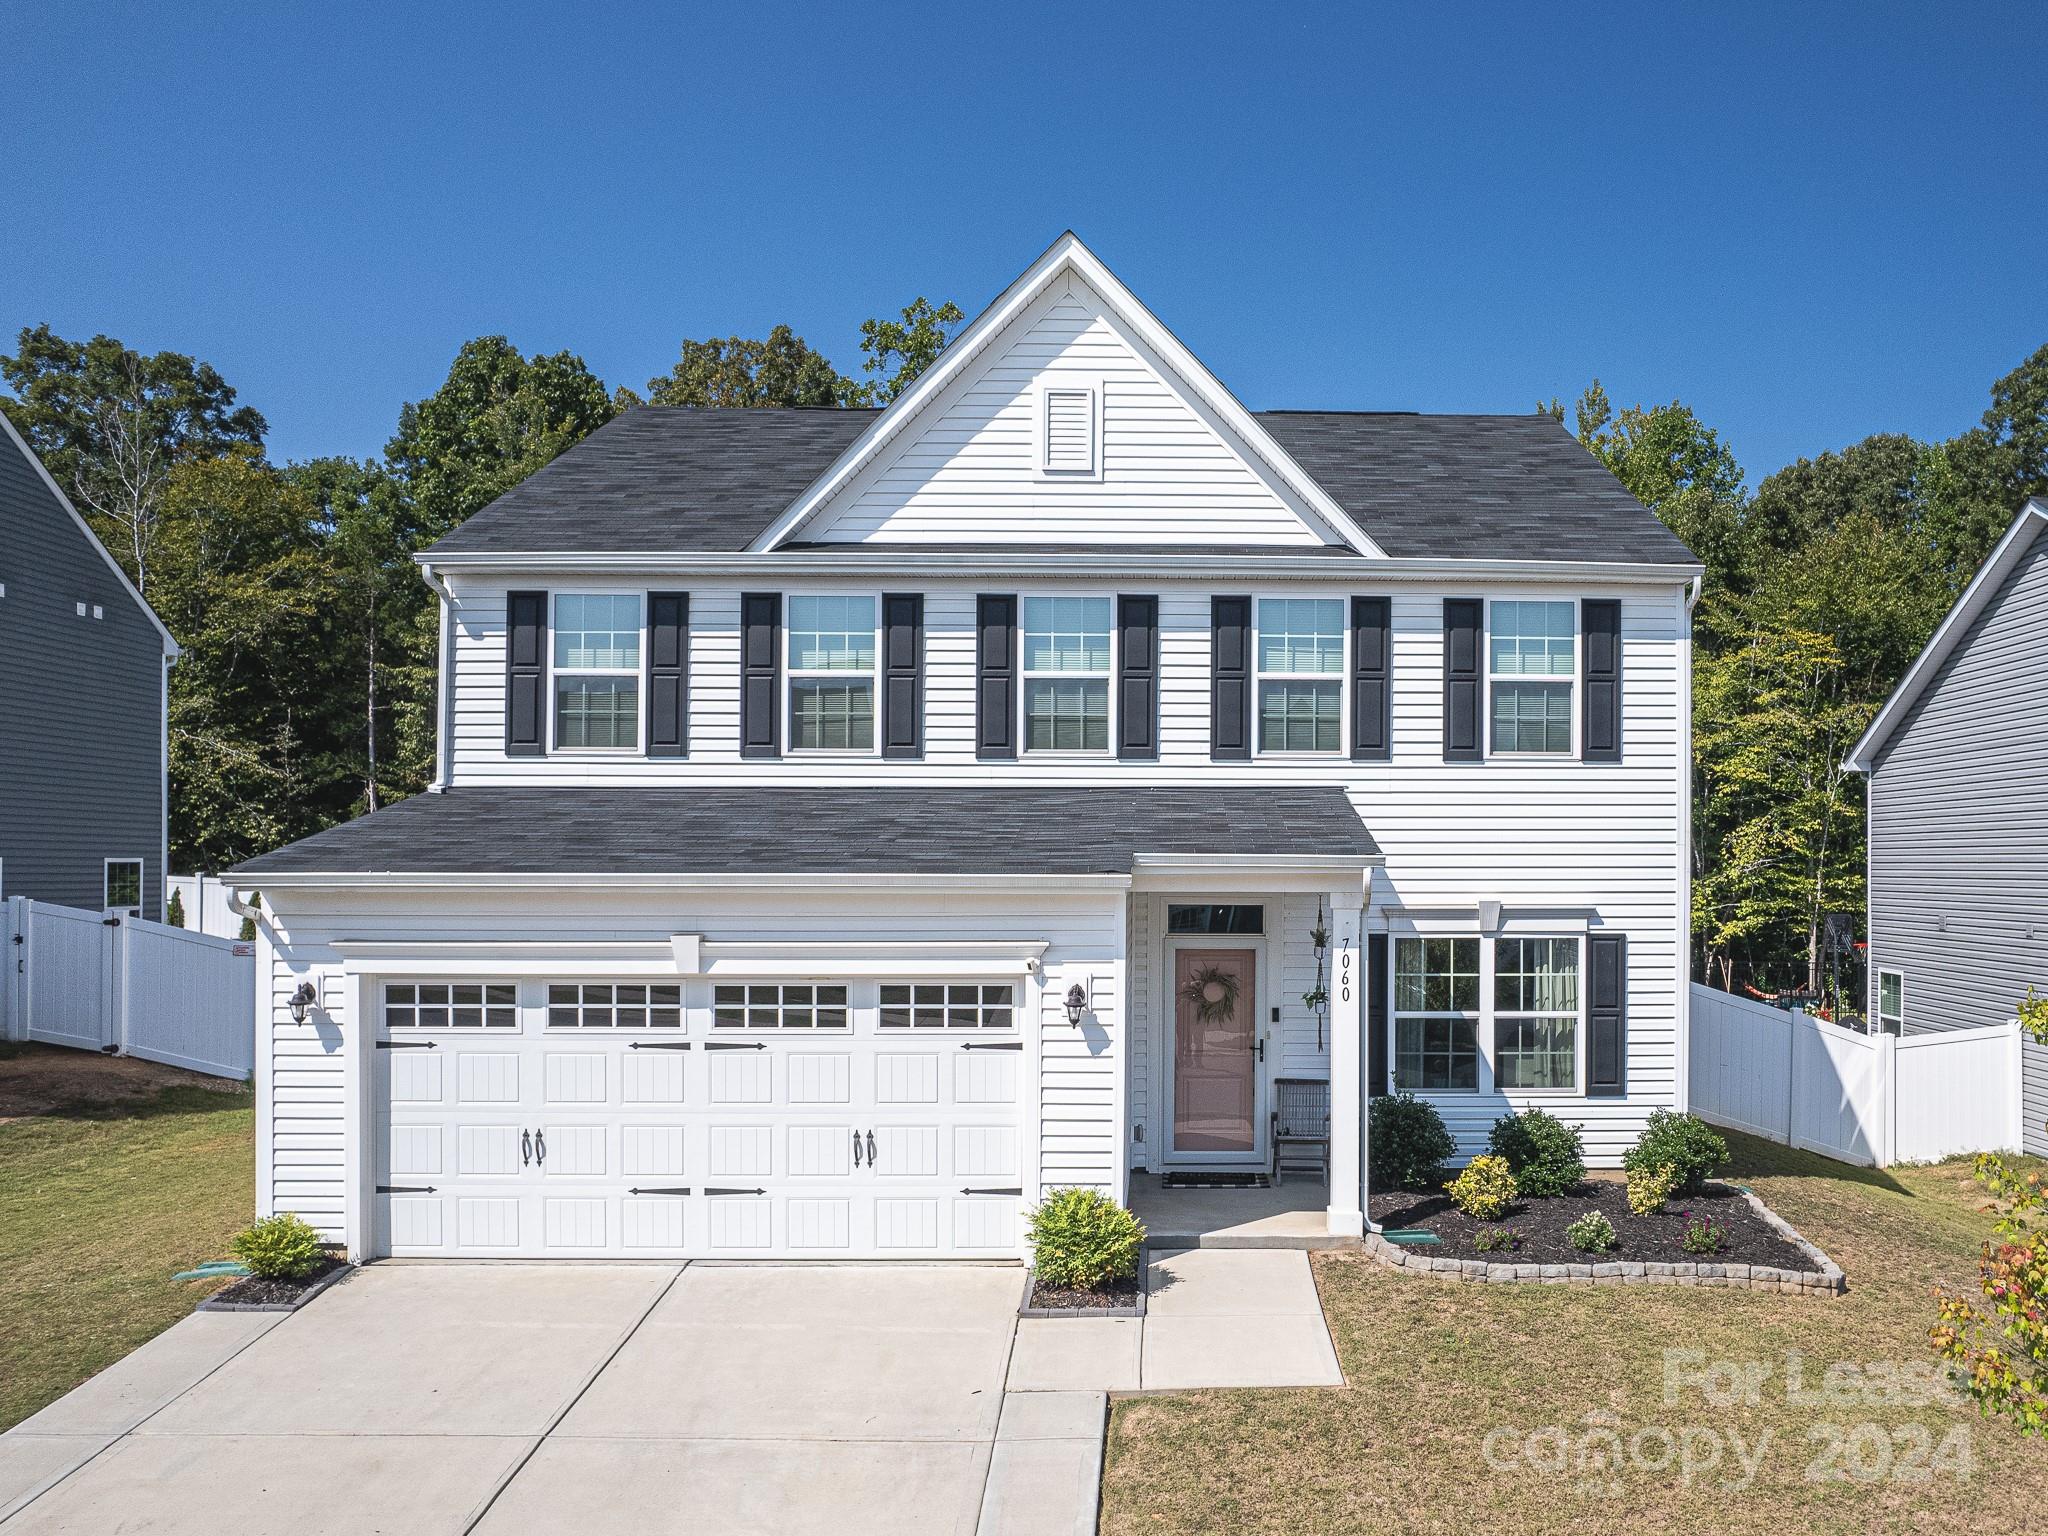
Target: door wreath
[[1212, 993]]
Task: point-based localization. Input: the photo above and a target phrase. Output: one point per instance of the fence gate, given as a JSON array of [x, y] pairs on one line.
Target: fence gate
[[71, 992]]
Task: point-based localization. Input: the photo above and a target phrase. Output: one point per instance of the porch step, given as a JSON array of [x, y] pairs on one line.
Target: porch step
[[1289, 1241]]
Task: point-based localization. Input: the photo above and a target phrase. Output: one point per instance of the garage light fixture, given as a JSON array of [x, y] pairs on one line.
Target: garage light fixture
[[1077, 1003], [302, 1001]]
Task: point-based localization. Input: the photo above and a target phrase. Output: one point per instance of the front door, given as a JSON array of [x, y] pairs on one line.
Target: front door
[[1216, 1055]]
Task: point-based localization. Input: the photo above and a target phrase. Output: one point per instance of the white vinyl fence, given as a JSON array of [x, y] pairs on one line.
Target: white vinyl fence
[[1870, 1099], [141, 988], [207, 904]]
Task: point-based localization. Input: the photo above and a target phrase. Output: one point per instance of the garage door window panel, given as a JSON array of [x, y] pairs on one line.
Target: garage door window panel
[[783, 1005], [615, 1005], [451, 1005], [947, 1005]]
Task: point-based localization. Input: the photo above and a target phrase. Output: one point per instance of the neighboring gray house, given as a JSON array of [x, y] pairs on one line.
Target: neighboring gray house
[[1958, 765], [82, 733]]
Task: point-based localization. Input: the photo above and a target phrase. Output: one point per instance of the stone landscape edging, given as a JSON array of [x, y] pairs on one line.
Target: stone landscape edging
[[333, 1277], [1136, 1309], [1827, 1281]]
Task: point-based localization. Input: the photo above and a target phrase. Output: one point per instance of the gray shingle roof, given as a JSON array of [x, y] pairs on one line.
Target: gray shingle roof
[[1008, 829], [687, 480]]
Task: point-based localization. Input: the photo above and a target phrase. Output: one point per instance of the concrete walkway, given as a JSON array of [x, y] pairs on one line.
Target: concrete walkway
[[510, 1398]]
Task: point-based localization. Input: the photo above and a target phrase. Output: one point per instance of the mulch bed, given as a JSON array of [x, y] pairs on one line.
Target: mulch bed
[[1638, 1239], [250, 1291], [1118, 1293]]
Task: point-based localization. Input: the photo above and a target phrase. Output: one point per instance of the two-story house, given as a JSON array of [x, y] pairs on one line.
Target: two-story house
[[852, 824], [83, 780]]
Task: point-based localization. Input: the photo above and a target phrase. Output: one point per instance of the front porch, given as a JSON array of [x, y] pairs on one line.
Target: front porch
[[1294, 1215]]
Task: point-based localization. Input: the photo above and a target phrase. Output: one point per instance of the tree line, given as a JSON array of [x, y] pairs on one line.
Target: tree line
[[306, 693]]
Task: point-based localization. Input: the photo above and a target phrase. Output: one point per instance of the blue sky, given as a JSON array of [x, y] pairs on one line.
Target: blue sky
[[1810, 227]]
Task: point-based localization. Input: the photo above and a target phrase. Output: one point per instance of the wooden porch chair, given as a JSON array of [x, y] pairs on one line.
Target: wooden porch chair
[[1301, 1126]]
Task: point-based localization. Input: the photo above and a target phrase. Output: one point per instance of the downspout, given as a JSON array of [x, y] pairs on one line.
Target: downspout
[[1365, 1059], [441, 690]]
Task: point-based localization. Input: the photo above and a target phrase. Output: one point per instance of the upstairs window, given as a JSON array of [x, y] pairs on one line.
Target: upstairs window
[[1531, 662], [1301, 674], [1436, 1015], [597, 671], [1066, 673], [123, 887], [832, 674]]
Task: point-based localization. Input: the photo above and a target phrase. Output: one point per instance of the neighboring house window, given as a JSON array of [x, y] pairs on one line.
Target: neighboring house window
[[832, 674], [953, 1005], [123, 886], [451, 1005], [1891, 1001], [1066, 673], [1436, 1015], [620, 1005], [771, 1005], [1531, 663], [1301, 674], [1536, 1013], [597, 671]]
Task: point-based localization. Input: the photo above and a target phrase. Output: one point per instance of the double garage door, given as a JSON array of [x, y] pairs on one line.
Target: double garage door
[[785, 1120]]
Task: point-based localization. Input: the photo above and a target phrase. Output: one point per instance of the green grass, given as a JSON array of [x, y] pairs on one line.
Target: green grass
[[97, 1209], [1432, 1366]]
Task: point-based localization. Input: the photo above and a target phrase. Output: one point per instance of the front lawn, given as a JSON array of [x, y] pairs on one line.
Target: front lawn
[[1489, 1408], [121, 1175]]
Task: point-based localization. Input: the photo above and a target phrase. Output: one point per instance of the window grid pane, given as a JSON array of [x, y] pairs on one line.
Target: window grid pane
[[1066, 634], [597, 631], [831, 634], [597, 712], [1537, 1052], [1301, 717], [1066, 715], [955, 1005], [1436, 976], [1532, 639], [1536, 975], [831, 716], [1301, 634], [1532, 717], [1436, 1008], [771, 1005], [124, 883]]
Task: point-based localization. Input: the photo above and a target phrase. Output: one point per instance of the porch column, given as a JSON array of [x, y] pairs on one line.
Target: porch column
[[1347, 1035]]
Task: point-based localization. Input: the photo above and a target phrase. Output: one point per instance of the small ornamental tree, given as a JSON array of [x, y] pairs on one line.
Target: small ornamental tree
[[2034, 1016], [2001, 1347], [175, 913]]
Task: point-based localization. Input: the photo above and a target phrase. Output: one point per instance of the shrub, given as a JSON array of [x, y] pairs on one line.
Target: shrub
[[174, 914], [1081, 1240], [1546, 1155], [1408, 1144], [1591, 1233], [1649, 1188], [1484, 1189], [1999, 1349], [1497, 1240], [278, 1248], [1686, 1142], [1703, 1234]]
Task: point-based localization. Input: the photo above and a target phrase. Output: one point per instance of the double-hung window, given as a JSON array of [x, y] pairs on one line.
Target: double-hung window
[[597, 671], [1531, 661], [1436, 1015], [1891, 1002], [122, 887], [1066, 673], [832, 674], [1301, 674], [1536, 1013]]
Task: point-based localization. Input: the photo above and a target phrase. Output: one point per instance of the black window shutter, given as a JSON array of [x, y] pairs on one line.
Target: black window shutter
[[1600, 642], [1137, 707], [1230, 681], [902, 674], [995, 677], [1464, 688], [1372, 694], [526, 650], [760, 674], [668, 674], [1376, 1015], [1607, 1014]]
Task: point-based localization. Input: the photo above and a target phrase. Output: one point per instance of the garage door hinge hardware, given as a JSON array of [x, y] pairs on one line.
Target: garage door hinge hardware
[[1017, 1191], [735, 1045], [405, 1189], [665, 1189], [712, 1190], [658, 1045], [405, 1045], [991, 1045]]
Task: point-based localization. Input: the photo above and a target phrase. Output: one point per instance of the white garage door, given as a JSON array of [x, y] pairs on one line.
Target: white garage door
[[659, 1120]]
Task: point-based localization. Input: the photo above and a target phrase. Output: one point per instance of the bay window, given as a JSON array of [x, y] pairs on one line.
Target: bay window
[[1536, 1014], [1066, 656], [1436, 1015], [1531, 663], [597, 671], [1301, 674], [832, 654]]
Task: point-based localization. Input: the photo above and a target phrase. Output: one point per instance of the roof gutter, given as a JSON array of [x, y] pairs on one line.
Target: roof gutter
[[456, 880]]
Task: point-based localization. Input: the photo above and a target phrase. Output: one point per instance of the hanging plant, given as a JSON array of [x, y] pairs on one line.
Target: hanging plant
[[1318, 1000], [1212, 993]]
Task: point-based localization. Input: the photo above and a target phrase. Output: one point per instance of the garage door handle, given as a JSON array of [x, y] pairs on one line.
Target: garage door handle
[[710, 1191], [735, 1045], [540, 1147], [405, 1045], [658, 1045], [1017, 1191], [992, 1045], [856, 1149], [666, 1189], [525, 1148], [871, 1149], [405, 1189]]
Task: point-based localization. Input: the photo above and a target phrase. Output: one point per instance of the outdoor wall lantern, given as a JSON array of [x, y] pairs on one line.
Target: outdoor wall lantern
[[1077, 1003], [302, 1000]]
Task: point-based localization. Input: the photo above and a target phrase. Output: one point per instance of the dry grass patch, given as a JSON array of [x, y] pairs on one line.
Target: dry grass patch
[[1433, 1366]]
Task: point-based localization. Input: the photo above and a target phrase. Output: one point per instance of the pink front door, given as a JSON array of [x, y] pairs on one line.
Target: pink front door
[[1215, 1040]]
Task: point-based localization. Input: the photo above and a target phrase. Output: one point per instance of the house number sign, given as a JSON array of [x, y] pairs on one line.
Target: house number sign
[[1345, 955]]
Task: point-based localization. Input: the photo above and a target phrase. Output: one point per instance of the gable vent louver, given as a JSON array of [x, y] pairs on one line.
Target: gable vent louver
[[1070, 431]]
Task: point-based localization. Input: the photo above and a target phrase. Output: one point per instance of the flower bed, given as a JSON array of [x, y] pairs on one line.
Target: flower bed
[[1754, 1247]]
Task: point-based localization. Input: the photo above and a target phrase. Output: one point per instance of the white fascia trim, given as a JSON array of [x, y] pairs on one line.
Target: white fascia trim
[[2018, 539], [1064, 253], [338, 880], [171, 647], [1127, 563], [485, 957]]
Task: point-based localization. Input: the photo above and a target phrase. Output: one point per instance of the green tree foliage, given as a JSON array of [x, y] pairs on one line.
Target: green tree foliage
[[1678, 468], [899, 350], [783, 370]]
